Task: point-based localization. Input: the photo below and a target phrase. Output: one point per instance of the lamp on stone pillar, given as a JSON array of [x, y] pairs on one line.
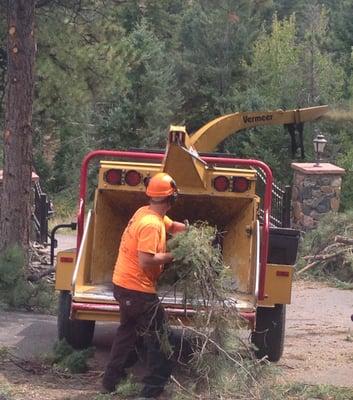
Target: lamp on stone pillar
[[319, 147]]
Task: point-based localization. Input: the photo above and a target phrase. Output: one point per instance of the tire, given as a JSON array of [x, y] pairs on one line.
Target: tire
[[78, 333], [268, 337]]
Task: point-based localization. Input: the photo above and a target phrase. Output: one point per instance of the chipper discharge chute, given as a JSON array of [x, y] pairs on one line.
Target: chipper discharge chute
[[219, 190]]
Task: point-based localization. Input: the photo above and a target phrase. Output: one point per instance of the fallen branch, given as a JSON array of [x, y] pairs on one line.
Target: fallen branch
[[308, 267], [328, 248], [40, 275], [218, 347], [343, 239], [184, 388], [323, 257]]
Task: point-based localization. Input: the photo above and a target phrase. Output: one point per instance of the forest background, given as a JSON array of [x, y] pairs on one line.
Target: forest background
[[114, 74]]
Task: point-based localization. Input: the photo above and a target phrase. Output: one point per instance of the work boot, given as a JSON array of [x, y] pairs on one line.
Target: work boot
[[109, 384]]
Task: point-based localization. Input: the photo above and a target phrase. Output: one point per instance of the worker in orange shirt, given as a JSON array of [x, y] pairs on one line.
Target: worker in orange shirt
[[141, 258]]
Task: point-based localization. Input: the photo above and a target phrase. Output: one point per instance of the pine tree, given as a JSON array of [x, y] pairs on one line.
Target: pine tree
[[213, 42], [15, 218], [80, 63], [288, 70], [141, 112]]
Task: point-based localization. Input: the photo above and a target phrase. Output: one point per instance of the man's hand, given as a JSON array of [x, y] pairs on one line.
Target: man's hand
[[148, 260], [179, 227]]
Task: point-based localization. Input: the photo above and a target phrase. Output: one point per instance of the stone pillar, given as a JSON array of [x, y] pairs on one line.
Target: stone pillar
[[316, 191]]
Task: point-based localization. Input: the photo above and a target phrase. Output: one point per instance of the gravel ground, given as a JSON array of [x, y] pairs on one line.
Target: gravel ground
[[318, 347]]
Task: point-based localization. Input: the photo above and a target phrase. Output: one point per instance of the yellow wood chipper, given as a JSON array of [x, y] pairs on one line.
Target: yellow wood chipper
[[222, 190]]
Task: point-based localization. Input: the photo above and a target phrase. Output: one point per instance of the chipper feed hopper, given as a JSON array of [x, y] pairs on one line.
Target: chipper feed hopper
[[220, 190]]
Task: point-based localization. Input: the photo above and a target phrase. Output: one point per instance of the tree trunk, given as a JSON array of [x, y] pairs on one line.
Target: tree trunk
[[15, 217]]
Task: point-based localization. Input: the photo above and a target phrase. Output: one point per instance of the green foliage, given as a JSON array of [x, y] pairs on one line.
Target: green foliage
[[341, 33], [11, 264], [128, 388], [4, 351], [213, 41], [16, 291], [76, 362], [141, 112], [276, 57], [197, 264], [291, 71], [114, 75], [344, 159], [61, 350], [65, 204], [220, 361], [66, 358], [307, 392], [290, 68], [324, 78], [338, 269], [330, 225]]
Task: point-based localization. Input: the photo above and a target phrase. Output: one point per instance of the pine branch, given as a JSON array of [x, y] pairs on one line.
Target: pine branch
[[218, 347]]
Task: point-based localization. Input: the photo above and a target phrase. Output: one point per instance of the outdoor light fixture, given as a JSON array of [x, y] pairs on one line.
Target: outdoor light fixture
[[319, 146]]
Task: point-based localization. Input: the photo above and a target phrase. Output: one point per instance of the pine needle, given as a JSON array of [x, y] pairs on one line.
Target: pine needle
[[220, 361]]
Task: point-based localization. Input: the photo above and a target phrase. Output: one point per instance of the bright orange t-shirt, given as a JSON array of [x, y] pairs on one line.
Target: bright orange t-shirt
[[146, 231]]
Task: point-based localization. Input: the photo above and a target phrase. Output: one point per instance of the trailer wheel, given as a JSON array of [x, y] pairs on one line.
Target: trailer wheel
[[78, 334], [269, 334]]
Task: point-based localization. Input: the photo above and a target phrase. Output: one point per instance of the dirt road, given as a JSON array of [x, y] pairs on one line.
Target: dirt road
[[65, 241], [318, 348], [319, 336]]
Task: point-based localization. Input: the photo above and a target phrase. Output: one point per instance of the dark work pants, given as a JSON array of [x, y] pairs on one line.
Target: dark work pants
[[141, 317]]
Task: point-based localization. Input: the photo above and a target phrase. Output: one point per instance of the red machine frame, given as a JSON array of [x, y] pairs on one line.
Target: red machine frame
[[214, 160]]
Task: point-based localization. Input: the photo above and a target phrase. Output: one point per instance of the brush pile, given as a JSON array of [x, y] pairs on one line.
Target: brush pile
[[327, 252], [197, 269], [220, 364]]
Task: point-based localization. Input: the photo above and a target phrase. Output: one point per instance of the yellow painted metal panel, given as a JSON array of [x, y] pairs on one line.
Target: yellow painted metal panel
[[190, 175], [210, 135], [186, 170], [110, 222], [278, 288], [238, 245], [64, 269], [233, 216]]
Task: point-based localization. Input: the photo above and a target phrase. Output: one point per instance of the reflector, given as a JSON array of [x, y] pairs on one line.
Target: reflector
[[66, 259], [240, 184], [282, 273], [132, 178], [113, 176], [221, 183]]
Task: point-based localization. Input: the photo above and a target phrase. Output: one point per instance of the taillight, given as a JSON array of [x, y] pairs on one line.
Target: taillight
[[133, 178], [221, 183], [113, 176], [240, 184]]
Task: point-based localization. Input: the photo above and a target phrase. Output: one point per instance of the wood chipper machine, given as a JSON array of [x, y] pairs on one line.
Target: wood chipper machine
[[219, 189]]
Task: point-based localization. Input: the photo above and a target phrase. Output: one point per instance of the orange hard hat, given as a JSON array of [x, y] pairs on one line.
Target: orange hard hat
[[161, 185]]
